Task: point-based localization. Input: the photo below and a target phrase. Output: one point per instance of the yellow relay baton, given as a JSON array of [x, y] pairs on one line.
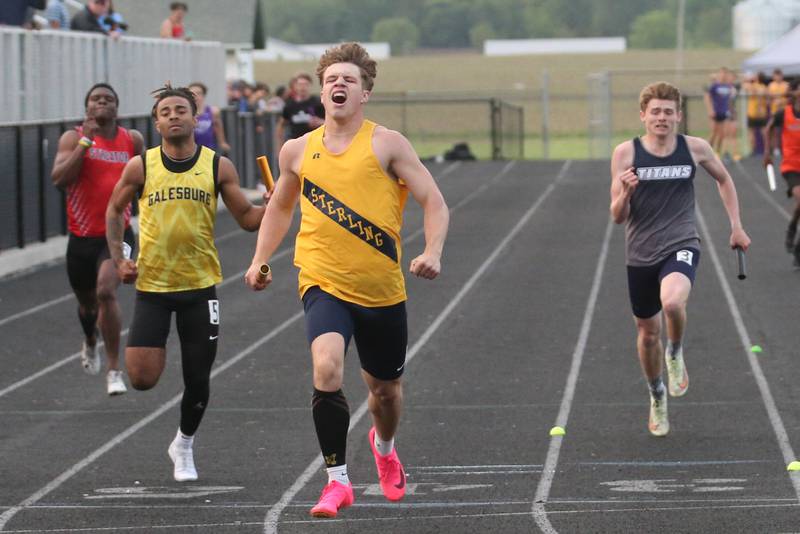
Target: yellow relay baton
[[266, 174]]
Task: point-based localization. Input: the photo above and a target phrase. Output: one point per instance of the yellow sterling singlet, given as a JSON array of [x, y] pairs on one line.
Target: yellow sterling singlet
[[349, 238], [177, 211]]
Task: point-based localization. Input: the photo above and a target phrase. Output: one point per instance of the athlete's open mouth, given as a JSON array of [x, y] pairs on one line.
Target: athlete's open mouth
[[339, 97]]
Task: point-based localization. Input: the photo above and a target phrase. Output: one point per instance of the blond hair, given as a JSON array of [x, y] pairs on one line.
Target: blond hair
[[660, 91], [350, 53]]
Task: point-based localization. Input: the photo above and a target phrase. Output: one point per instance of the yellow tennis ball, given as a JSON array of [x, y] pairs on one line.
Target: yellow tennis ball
[[793, 466], [557, 431]]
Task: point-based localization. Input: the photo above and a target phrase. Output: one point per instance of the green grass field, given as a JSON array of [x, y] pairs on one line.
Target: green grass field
[[434, 127]]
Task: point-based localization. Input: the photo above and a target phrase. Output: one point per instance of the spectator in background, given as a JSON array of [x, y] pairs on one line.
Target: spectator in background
[[113, 21], [719, 104], [14, 12], [57, 15], [88, 19], [209, 131], [755, 90], [778, 88], [258, 99], [172, 27], [276, 102], [303, 112]]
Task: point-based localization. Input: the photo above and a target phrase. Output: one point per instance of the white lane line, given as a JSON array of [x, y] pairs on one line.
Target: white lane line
[[274, 513], [755, 366], [76, 355], [450, 168], [764, 193], [69, 296], [54, 484], [35, 309], [546, 481], [52, 367]]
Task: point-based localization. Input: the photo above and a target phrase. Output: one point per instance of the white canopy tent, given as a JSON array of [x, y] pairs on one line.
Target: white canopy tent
[[782, 54]]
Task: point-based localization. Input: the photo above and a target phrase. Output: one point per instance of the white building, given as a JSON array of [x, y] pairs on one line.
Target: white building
[[588, 45], [758, 23]]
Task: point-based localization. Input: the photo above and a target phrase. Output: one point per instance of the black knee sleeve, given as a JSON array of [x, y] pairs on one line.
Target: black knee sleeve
[[331, 420]]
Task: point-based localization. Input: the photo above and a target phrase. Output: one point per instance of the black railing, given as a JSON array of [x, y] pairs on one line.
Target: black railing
[[34, 210]]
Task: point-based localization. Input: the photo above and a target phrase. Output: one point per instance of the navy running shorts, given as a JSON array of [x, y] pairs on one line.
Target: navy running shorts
[[381, 333], [644, 282]]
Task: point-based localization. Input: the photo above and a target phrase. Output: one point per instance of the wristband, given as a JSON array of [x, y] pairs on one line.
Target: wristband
[[85, 142]]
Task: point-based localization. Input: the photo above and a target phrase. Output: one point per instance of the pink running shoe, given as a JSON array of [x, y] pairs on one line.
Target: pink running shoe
[[390, 471], [334, 496]]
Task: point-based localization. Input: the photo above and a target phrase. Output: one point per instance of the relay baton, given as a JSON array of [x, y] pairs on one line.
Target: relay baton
[[771, 177], [742, 263], [266, 174], [263, 271]]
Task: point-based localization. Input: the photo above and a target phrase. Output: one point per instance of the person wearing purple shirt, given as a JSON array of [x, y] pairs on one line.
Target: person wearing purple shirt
[[209, 131], [719, 100]]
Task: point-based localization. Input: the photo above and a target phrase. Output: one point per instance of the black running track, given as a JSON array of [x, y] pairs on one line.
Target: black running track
[[528, 327]]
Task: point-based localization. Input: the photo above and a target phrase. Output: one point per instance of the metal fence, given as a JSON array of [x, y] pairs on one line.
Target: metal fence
[[46, 73], [34, 209], [492, 127]]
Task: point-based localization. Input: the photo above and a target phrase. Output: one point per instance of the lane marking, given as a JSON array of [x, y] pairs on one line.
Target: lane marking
[[54, 484], [764, 194], [755, 366], [9, 513], [52, 367], [69, 296], [274, 513], [450, 168], [553, 451], [226, 281]]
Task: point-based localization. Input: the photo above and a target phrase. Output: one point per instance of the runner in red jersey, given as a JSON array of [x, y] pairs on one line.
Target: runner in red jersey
[[786, 122], [88, 165]]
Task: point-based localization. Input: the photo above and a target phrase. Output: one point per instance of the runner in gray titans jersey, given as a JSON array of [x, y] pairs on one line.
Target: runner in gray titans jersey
[[652, 192]]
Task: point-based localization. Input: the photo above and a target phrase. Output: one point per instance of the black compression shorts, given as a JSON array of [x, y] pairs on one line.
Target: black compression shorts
[[196, 316], [84, 256]]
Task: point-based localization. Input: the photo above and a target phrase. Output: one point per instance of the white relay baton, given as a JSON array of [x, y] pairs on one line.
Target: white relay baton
[[771, 177]]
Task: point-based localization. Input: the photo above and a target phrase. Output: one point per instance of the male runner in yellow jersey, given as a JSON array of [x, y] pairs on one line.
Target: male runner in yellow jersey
[[177, 269], [352, 177]]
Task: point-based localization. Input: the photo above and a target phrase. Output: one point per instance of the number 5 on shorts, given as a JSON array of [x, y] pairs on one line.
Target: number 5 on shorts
[[213, 311]]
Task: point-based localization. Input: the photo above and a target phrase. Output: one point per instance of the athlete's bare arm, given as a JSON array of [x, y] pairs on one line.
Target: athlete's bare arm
[[401, 161], [138, 142], [704, 156], [278, 215], [623, 181], [246, 214], [69, 157], [166, 29], [219, 130], [124, 192]]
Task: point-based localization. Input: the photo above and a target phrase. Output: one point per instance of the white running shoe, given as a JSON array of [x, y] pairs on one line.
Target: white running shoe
[[658, 424], [676, 370], [115, 384], [90, 359], [183, 458]]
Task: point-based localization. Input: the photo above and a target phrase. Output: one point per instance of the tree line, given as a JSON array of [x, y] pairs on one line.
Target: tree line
[[412, 24]]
